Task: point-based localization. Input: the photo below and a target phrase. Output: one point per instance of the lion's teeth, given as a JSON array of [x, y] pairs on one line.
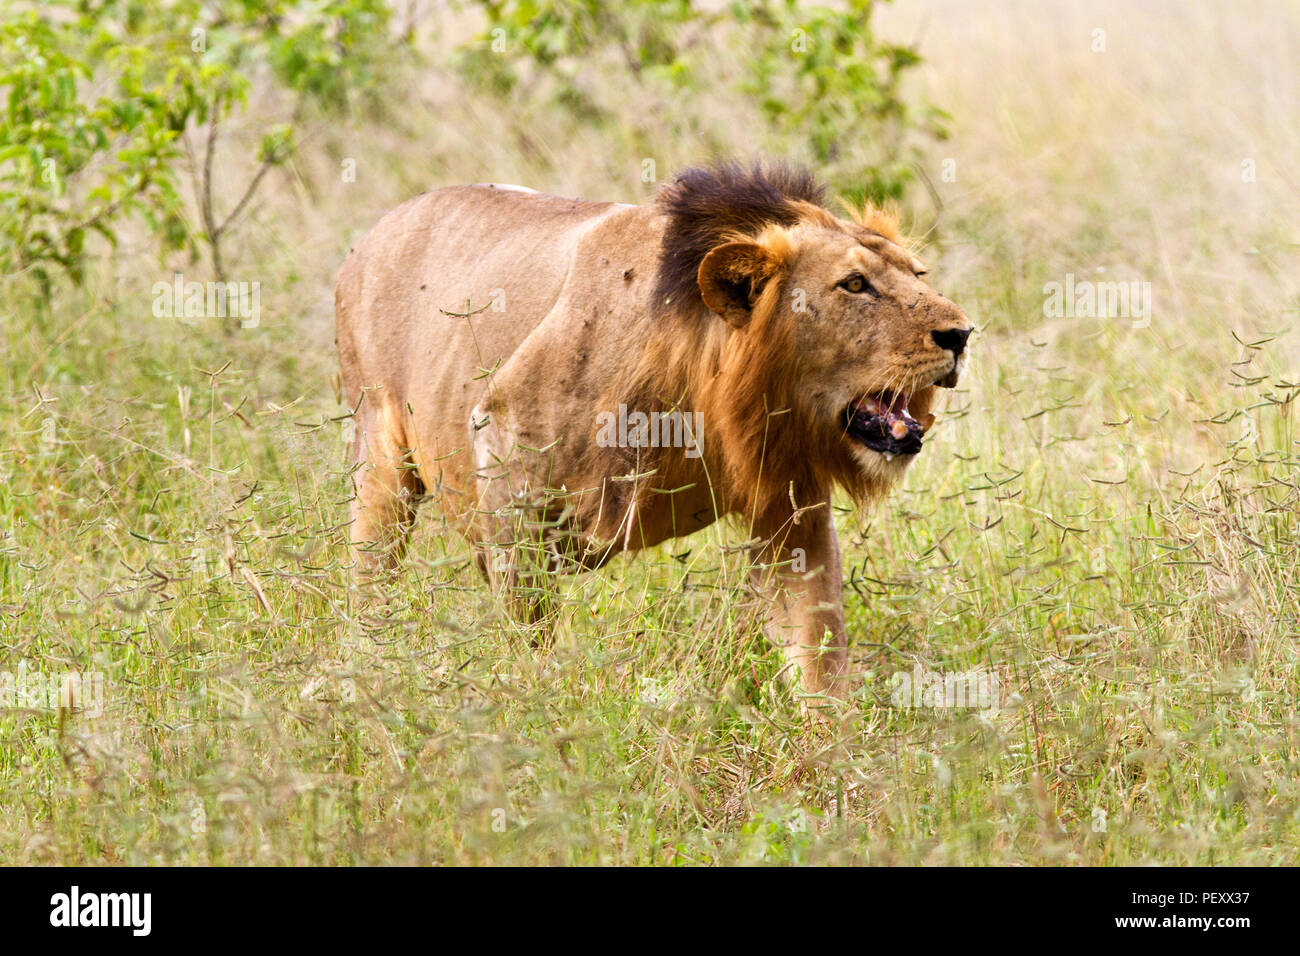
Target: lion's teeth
[[898, 429]]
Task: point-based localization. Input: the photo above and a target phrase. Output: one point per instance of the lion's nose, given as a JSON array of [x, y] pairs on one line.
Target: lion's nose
[[954, 340]]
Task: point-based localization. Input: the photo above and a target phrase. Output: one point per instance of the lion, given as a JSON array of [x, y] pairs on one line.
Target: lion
[[567, 380]]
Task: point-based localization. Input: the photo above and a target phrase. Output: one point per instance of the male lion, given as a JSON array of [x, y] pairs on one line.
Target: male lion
[[571, 379]]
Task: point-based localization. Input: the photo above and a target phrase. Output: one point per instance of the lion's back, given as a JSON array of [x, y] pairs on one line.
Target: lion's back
[[453, 279], [441, 292]]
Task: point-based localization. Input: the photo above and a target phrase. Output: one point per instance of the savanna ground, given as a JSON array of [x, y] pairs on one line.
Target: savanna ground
[[1107, 519]]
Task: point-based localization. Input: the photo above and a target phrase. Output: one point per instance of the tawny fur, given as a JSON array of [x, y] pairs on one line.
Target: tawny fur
[[483, 331]]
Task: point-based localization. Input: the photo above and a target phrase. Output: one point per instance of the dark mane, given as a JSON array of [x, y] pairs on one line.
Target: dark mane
[[706, 204]]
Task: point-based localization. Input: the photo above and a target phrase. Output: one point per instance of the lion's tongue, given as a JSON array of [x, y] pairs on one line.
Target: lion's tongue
[[883, 423], [892, 409]]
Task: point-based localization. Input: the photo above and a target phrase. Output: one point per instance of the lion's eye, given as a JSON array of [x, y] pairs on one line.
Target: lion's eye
[[858, 285]]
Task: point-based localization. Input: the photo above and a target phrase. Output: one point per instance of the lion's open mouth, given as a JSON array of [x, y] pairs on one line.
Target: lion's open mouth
[[883, 423]]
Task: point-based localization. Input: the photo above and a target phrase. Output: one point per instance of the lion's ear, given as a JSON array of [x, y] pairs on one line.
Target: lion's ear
[[732, 276]]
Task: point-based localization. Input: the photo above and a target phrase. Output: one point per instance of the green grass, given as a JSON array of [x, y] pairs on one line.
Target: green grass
[[1108, 520]]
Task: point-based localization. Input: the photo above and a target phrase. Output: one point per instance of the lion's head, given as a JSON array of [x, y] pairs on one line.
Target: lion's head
[[813, 343]]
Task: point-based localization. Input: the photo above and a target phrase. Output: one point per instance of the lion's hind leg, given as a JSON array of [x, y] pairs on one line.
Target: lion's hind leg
[[388, 489]]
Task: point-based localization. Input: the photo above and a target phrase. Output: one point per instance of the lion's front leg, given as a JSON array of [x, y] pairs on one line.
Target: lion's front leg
[[797, 570], [512, 538]]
